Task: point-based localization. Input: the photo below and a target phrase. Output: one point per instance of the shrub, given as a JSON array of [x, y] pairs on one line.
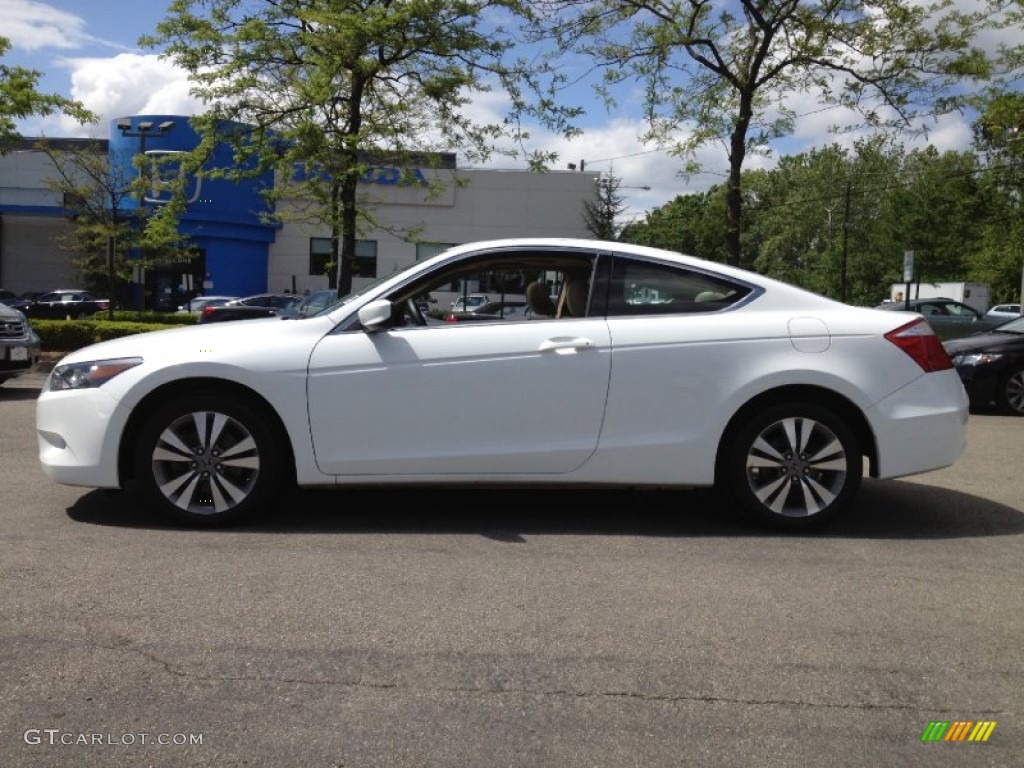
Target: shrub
[[147, 316], [69, 335]]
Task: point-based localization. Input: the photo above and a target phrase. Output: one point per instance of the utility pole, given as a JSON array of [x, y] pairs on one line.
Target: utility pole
[[846, 247]]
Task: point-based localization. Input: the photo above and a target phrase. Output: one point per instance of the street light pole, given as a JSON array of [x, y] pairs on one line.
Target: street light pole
[[143, 130]]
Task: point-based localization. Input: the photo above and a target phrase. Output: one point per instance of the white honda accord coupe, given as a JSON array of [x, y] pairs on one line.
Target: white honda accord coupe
[[633, 367]]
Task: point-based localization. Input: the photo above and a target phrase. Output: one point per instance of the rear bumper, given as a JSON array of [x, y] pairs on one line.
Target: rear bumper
[[921, 427]]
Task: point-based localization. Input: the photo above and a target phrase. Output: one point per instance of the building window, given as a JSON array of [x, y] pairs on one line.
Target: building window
[[321, 259], [366, 259], [426, 250]]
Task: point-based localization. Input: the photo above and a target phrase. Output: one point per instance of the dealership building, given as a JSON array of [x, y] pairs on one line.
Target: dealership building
[[238, 251]]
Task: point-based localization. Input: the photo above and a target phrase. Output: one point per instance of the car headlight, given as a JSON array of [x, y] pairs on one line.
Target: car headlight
[[92, 373], [976, 358]]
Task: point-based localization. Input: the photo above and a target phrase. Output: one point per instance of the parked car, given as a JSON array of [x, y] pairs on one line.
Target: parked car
[[991, 366], [196, 304], [250, 307], [275, 300], [70, 302], [778, 397], [316, 302], [19, 344], [22, 300], [19, 300], [1005, 311], [470, 302], [949, 319]]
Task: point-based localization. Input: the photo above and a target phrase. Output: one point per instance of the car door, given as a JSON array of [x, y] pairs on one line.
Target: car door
[[460, 399], [679, 351], [49, 305]]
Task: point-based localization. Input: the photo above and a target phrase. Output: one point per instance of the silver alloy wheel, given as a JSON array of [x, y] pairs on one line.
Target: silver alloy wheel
[[1014, 391], [796, 467], [205, 463]]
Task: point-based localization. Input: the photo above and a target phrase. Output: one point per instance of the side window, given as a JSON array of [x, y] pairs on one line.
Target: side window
[[961, 310], [505, 287], [647, 288]]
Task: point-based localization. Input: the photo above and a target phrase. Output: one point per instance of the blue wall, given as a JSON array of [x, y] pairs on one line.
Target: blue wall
[[222, 217]]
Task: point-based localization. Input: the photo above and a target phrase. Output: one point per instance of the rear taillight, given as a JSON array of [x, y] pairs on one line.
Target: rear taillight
[[918, 340]]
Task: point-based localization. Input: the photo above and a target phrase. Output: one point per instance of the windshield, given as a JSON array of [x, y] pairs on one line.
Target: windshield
[[364, 290]]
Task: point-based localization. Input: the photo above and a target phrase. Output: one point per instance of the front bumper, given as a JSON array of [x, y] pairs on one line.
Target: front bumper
[[18, 356], [981, 381], [78, 433]]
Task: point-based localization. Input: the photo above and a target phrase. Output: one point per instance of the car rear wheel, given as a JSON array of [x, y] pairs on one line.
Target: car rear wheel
[[208, 459], [792, 466], [1011, 393]]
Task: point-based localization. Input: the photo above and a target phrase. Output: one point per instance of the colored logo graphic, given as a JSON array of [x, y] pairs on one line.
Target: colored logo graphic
[[958, 730]]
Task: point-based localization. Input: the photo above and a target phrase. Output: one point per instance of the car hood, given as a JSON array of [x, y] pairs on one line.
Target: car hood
[[6, 311], [232, 341], [984, 341]]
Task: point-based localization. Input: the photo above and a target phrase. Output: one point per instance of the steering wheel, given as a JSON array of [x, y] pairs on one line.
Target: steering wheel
[[414, 312]]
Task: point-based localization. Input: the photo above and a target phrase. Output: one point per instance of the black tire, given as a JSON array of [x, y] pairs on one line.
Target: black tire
[[1010, 397], [208, 460], [793, 466]]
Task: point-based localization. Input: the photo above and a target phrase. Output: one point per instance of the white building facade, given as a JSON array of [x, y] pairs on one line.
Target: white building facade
[[240, 253]]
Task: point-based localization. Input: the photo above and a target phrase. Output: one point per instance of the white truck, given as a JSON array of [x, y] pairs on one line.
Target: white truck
[[972, 294]]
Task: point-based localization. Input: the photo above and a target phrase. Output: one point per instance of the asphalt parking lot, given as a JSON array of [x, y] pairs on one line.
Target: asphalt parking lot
[[528, 628]]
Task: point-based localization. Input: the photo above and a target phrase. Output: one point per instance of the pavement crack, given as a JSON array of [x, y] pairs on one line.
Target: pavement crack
[[664, 698]]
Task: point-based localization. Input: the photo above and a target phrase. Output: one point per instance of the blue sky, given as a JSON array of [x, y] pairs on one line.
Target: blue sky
[[87, 50]]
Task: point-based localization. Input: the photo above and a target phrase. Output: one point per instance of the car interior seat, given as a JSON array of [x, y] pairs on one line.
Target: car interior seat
[[709, 296], [539, 300], [574, 298]]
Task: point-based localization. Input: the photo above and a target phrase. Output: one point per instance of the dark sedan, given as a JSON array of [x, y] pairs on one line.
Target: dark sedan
[[259, 305], [71, 303], [991, 366], [275, 300], [20, 301]]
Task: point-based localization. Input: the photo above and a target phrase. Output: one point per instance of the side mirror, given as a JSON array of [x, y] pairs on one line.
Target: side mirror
[[376, 316]]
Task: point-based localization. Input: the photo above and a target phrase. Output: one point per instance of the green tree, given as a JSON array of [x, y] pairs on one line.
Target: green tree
[[692, 224], [999, 138], [935, 212], [104, 228], [336, 86], [19, 99], [720, 72], [602, 214], [816, 221]]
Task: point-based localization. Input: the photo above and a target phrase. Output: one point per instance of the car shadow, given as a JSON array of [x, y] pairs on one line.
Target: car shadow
[[884, 509]]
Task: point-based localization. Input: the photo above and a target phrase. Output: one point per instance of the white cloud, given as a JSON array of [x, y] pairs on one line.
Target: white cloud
[[31, 25], [126, 84]]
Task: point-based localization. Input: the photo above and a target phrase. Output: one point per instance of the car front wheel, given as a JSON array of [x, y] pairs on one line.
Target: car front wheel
[[208, 460], [792, 465], [1011, 393]]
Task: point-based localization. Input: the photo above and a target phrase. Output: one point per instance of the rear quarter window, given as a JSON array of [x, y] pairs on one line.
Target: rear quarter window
[[645, 288]]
